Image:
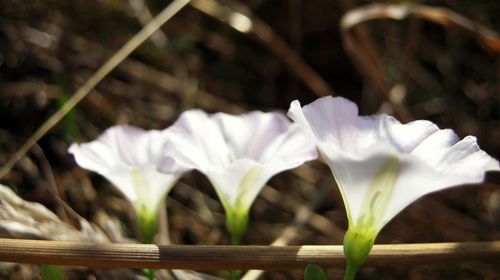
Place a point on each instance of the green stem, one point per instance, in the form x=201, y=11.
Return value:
x=148, y=226
x=236, y=223
x=236, y=273
x=235, y=239
x=350, y=271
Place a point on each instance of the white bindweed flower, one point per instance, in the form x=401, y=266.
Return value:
x=238, y=154
x=381, y=165
x=128, y=157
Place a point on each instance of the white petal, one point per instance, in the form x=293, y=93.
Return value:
x=122, y=179
x=416, y=180
x=128, y=157
x=195, y=141
x=250, y=135
x=336, y=125
x=94, y=156
x=403, y=137
x=355, y=177
x=229, y=149
x=357, y=147
x=228, y=182
x=293, y=148
x=433, y=148
x=320, y=120
x=157, y=185
x=467, y=159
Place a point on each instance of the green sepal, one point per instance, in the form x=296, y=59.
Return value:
x=236, y=223
x=148, y=226
x=357, y=246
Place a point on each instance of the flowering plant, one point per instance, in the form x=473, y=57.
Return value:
x=381, y=165
x=238, y=154
x=128, y=157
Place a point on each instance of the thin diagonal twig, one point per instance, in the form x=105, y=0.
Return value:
x=105, y=69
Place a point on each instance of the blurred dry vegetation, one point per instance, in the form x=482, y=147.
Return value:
x=420, y=67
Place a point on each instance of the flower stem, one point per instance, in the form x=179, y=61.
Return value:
x=148, y=226
x=235, y=274
x=350, y=271
x=236, y=223
x=235, y=240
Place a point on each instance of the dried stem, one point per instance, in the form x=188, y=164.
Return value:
x=234, y=257
x=364, y=56
x=51, y=182
x=487, y=37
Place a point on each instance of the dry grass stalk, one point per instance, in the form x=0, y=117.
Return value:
x=234, y=257
x=102, y=72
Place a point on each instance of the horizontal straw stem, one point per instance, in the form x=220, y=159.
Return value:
x=232, y=257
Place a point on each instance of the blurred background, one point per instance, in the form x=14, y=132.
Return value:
x=438, y=61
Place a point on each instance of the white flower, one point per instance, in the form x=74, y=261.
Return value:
x=128, y=157
x=238, y=154
x=381, y=165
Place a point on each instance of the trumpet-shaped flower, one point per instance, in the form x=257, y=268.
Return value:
x=128, y=157
x=381, y=165
x=238, y=154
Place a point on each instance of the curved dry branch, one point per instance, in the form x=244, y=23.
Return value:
x=487, y=37
x=364, y=56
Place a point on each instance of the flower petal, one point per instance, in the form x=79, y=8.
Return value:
x=231, y=149
x=228, y=183
x=355, y=178
x=251, y=135
x=195, y=141
x=418, y=178
x=128, y=157
x=336, y=125
x=358, y=148
x=156, y=187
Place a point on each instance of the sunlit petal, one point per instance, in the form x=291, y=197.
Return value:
x=381, y=165
x=239, y=154
x=128, y=157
